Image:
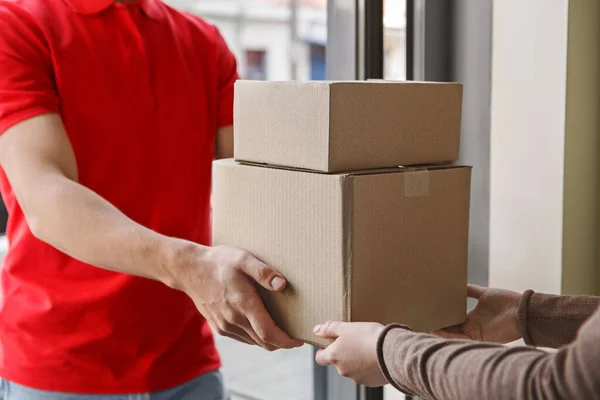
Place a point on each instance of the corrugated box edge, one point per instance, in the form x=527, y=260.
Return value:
x=347, y=188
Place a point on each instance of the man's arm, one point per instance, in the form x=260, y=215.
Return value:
x=38, y=160
x=227, y=76
x=224, y=143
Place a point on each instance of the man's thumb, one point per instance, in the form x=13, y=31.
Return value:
x=265, y=276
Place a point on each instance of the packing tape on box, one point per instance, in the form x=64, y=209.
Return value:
x=416, y=183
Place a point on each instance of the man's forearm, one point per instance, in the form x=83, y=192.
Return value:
x=77, y=221
x=40, y=164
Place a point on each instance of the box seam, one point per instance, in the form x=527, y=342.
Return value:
x=354, y=173
x=348, y=228
x=329, y=157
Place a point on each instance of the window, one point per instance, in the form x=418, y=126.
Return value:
x=286, y=38
x=255, y=65
x=394, y=40
x=317, y=62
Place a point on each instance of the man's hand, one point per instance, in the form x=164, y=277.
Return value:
x=494, y=319
x=354, y=352
x=220, y=282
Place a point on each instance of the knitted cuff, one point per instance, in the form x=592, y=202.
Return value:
x=522, y=317
x=380, y=357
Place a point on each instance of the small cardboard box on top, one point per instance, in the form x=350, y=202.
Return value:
x=386, y=245
x=344, y=126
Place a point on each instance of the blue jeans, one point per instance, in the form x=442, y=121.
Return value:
x=205, y=387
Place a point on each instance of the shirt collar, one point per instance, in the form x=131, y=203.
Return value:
x=152, y=8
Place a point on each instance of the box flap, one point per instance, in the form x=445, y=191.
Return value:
x=373, y=171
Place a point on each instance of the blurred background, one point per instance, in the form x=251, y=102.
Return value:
x=287, y=39
x=530, y=129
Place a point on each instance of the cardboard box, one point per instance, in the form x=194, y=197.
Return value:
x=343, y=126
x=384, y=245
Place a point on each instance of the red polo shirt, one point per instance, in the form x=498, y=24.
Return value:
x=142, y=90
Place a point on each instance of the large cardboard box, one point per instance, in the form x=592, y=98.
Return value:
x=342, y=126
x=384, y=245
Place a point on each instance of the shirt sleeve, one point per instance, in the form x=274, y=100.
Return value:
x=27, y=87
x=227, y=75
x=553, y=321
x=437, y=369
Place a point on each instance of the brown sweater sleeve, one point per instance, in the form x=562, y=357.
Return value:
x=439, y=369
x=553, y=321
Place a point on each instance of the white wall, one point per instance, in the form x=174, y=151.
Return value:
x=392, y=394
x=471, y=64
x=266, y=27
x=273, y=38
x=529, y=65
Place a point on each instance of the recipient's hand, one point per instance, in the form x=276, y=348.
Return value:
x=220, y=282
x=354, y=352
x=494, y=319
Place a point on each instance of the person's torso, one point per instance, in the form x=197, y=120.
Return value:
x=138, y=102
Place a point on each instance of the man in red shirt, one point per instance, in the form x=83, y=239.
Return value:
x=110, y=116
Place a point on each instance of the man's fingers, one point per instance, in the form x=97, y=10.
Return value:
x=233, y=332
x=239, y=334
x=264, y=275
x=475, y=292
x=242, y=339
x=250, y=332
x=266, y=330
x=261, y=343
x=330, y=329
x=274, y=336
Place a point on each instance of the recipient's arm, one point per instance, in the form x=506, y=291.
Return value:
x=503, y=316
x=454, y=369
x=553, y=321
x=38, y=160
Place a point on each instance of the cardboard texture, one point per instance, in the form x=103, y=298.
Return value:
x=341, y=126
x=381, y=245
